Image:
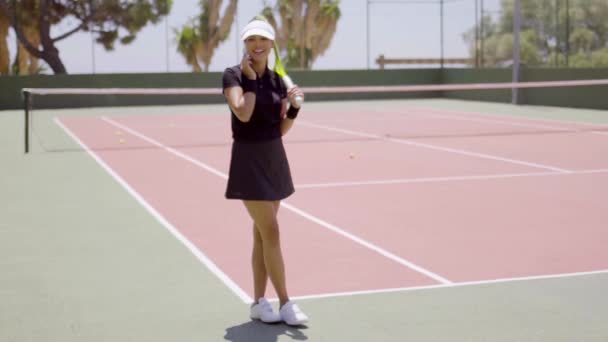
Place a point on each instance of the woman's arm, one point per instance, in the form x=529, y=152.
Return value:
x=286, y=122
x=241, y=104
x=242, y=99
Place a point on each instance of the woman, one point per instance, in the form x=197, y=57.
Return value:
x=259, y=171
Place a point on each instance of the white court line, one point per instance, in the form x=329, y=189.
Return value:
x=444, y=179
x=292, y=208
x=461, y=116
x=483, y=113
x=158, y=216
x=435, y=147
x=434, y=113
x=442, y=286
x=420, y=113
x=369, y=245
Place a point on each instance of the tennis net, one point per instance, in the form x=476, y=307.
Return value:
x=65, y=119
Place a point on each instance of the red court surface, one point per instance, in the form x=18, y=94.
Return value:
x=376, y=210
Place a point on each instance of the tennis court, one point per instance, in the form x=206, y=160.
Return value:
x=424, y=220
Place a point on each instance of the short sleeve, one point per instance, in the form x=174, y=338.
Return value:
x=230, y=79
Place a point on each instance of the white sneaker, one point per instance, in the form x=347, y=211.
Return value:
x=263, y=311
x=292, y=315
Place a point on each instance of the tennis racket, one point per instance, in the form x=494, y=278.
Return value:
x=279, y=69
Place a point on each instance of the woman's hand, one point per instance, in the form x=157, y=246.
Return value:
x=247, y=67
x=294, y=92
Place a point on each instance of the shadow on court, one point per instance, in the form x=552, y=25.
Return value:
x=255, y=331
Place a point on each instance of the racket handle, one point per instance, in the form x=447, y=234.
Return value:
x=289, y=84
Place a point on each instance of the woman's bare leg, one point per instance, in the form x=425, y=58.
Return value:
x=264, y=215
x=260, y=276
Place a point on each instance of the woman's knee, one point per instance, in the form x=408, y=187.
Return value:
x=264, y=215
x=269, y=232
x=257, y=238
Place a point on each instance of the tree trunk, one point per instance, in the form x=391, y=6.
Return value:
x=51, y=57
x=5, y=58
x=50, y=54
x=196, y=67
x=32, y=33
x=20, y=65
x=33, y=67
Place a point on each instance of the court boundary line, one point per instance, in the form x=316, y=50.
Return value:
x=435, y=147
x=424, y=113
x=306, y=215
x=211, y=266
x=454, y=116
x=525, y=118
x=443, y=286
x=445, y=179
x=461, y=115
x=338, y=294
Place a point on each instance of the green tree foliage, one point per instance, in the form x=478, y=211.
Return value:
x=189, y=44
x=543, y=33
x=306, y=29
x=198, y=39
x=109, y=20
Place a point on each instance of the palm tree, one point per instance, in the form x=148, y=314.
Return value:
x=26, y=63
x=198, y=39
x=307, y=29
x=189, y=44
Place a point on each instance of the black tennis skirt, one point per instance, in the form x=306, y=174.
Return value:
x=259, y=171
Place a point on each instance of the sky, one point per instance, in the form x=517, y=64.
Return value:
x=397, y=29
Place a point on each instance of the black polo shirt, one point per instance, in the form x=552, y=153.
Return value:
x=265, y=122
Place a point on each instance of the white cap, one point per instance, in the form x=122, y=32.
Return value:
x=257, y=28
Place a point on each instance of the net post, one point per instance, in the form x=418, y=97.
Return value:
x=26, y=106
